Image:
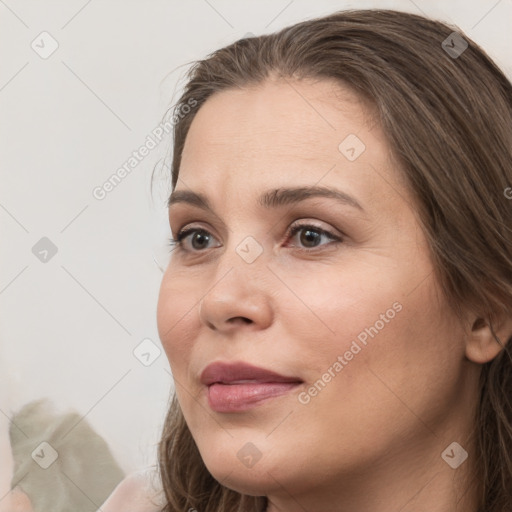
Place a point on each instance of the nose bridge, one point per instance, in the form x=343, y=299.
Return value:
x=239, y=267
x=246, y=234
x=237, y=291
x=244, y=250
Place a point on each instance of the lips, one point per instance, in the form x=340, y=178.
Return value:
x=231, y=373
x=234, y=387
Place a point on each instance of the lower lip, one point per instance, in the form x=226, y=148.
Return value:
x=240, y=397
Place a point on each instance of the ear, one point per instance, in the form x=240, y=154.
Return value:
x=482, y=345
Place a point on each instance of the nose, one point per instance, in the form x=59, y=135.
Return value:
x=238, y=299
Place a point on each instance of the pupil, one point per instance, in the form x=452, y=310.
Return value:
x=198, y=237
x=308, y=237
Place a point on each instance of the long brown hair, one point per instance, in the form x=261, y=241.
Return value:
x=446, y=110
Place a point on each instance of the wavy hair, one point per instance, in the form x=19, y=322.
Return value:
x=446, y=112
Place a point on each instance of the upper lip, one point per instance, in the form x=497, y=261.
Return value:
x=232, y=372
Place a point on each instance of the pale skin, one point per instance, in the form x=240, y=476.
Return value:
x=11, y=500
x=372, y=439
x=133, y=494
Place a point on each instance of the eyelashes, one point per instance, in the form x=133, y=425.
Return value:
x=312, y=235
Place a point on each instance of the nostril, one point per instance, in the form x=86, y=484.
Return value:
x=238, y=319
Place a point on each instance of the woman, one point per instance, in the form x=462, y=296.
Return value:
x=337, y=309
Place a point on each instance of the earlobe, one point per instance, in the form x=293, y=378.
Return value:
x=486, y=339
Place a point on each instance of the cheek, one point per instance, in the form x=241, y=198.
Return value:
x=325, y=314
x=177, y=320
x=365, y=323
x=393, y=352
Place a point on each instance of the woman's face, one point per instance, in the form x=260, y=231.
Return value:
x=336, y=293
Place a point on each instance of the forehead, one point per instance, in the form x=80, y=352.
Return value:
x=284, y=132
x=305, y=119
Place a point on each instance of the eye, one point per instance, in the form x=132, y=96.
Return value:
x=198, y=237
x=311, y=236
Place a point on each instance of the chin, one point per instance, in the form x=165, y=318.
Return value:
x=264, y=476
x=246, y=481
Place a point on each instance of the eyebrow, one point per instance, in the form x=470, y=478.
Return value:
x=273, y=198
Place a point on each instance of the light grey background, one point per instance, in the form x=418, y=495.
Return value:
x=68, y=122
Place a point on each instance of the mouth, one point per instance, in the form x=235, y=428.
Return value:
x=243, y=396
x=236, y=387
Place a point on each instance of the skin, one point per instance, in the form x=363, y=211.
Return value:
x=16, y=501
x=133, y=494
x=11, y=500
x=372, y=438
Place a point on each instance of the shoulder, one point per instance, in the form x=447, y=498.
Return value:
x=135, y=493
